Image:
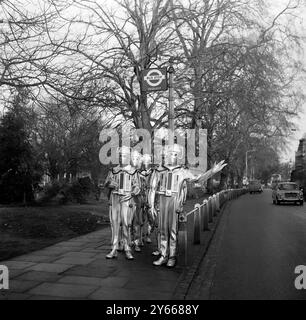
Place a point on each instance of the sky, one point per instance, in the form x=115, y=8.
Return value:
x=299, y=24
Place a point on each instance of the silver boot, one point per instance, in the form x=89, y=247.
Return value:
x=171, y=262
x=112, y=255
x=162, y=260
x=128, y=255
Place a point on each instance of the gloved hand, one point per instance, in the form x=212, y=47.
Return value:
x=153, y=213
x=114, y=185
x=218, y=167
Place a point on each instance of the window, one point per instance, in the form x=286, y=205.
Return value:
x=287, y=186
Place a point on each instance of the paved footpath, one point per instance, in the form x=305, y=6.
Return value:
x=78, y=269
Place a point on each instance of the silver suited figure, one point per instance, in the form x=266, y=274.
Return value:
x=145, y=178
x=138, y=220
x=169, y=184
x=123, y=182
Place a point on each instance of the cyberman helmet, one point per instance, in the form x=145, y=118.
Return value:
x=125, y=154
x=174, y=150
x=136, y=158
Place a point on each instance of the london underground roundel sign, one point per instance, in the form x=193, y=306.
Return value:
x=154, y=79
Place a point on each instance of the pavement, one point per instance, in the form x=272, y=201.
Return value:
x=78, y=269
x=254, y=252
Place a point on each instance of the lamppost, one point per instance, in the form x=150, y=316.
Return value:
x=290, y=167
x=246, y=162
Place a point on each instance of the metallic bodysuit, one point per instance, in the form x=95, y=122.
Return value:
x=124, y=182
x=169, y=183
x=147, y=222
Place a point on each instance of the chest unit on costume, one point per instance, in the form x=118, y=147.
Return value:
x=125, y=183
x=125, y=180
x=170, y=180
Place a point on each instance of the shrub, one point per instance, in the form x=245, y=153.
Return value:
x=78, y=191
x=50, y=192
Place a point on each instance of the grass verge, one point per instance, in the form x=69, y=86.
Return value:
x=26, y=229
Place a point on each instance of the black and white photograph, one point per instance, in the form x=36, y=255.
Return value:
x=152, y=153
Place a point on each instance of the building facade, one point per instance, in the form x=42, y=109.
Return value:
x=299, y=172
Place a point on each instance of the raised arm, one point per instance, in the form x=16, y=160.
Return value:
x=207, y=175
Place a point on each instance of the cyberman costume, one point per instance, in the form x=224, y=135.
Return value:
x=138, y=220
x=145, y=177
x=124, y=184
x=169, y=183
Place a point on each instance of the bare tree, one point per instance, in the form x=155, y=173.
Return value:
x=26, y=56
x=68, y=137
x=118, y=46
x=238, y=73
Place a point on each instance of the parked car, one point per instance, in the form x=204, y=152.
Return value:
x=287, y=192
x=255, y=186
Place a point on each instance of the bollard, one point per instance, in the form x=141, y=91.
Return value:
x=214, y=205
x=182, y=234
x=205, y=215
x=197, y=224
x=210, y=214
x=218, y=202
x=221, y=198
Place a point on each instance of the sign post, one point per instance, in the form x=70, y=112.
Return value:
x=154, y=80
x=171, y=101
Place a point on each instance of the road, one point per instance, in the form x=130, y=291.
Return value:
x=254, y=252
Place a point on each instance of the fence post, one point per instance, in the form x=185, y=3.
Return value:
x=210, y=213
x=221, y=198
x=205, y=215
x=197, y=225
x=214, y=205
x=218, y=202
x=182, y=233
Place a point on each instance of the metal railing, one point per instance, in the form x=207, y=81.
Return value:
x=202, y=215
